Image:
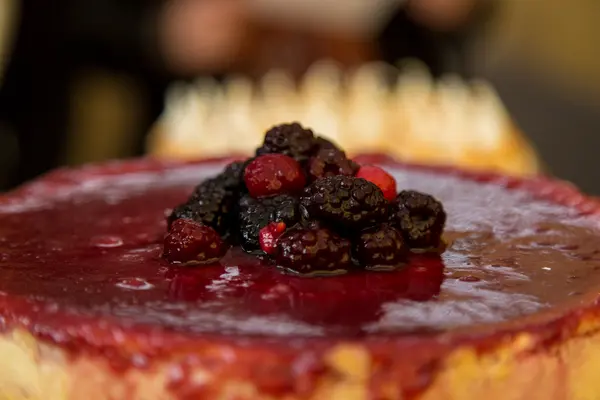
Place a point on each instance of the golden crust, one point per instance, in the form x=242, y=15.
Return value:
x=512, y=366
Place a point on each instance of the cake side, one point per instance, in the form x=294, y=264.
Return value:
x=518, y=365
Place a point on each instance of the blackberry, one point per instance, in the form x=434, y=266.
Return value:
x=255, y=214
x=291, y=140
x=420, y=218
x=230, y=179
x=381, y=247
x=323, y=144
x=309, y=251
x=344, y=201
x=232, y=176
x=330, y=162
x=211, y=204
x=381, y=178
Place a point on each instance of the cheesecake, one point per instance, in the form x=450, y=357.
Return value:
x=91, y=308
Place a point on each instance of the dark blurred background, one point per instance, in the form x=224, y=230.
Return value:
x=83, y=80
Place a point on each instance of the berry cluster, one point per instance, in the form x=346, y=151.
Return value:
x=301, y=202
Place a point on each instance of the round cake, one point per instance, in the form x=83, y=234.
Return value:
x=90, y=309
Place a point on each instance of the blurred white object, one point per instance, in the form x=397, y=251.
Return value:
x=359, y=17
x=448, y=122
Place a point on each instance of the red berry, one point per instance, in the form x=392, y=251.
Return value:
x=268, y=236
x=271, y=174
x=382, y=179
x=189, y=241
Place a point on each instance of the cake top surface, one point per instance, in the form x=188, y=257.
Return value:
x=83, y=247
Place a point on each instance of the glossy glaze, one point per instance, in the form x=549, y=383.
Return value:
x=92, y=251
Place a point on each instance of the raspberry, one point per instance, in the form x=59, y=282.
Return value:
x=211, y=204
x=382, y=179
x=255, y=214
x=191, y=242
x=330, y=162
x=273, y=174
x=347, y=202
x=380, y=248
x=312, y=251
x=269, y=235
x=289, y=139
x=420, y=218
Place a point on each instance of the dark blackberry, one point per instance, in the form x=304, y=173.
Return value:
x=329, y=162
x=381, y=178
x=309, y=251
x=381, y=247
x=255, y=214
x=289, y=139
x=230, y=179
x=233, y=175
x=326, y=144
x=420, y=218
x=344, y=201
x=211, y=204
x=323, y=144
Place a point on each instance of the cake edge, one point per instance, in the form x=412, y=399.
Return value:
x=515, y=367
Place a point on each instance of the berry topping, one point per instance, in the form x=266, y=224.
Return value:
x=313, y=251
x=268, y=236
x=345, y=201
x=380, y=248
x=382, y=179
x=420, y=218
x=330, y=162
x=255, y=214
x=289, y=139
x=323, y=143
x=273, y=174
x=211, y=204
x=233, y=175
x=191, y=242
x=256, y=201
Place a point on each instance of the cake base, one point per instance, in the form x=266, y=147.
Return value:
x=513, y=366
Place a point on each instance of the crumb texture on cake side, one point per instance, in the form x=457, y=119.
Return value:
x=514, y=368
x=448, y=122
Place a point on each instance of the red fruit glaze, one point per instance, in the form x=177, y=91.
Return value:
x=268, y=236
x=272, y=174
x=382, y=179
x=189, y=241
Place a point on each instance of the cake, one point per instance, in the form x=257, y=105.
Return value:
x=92, y=307
x=416, y=118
